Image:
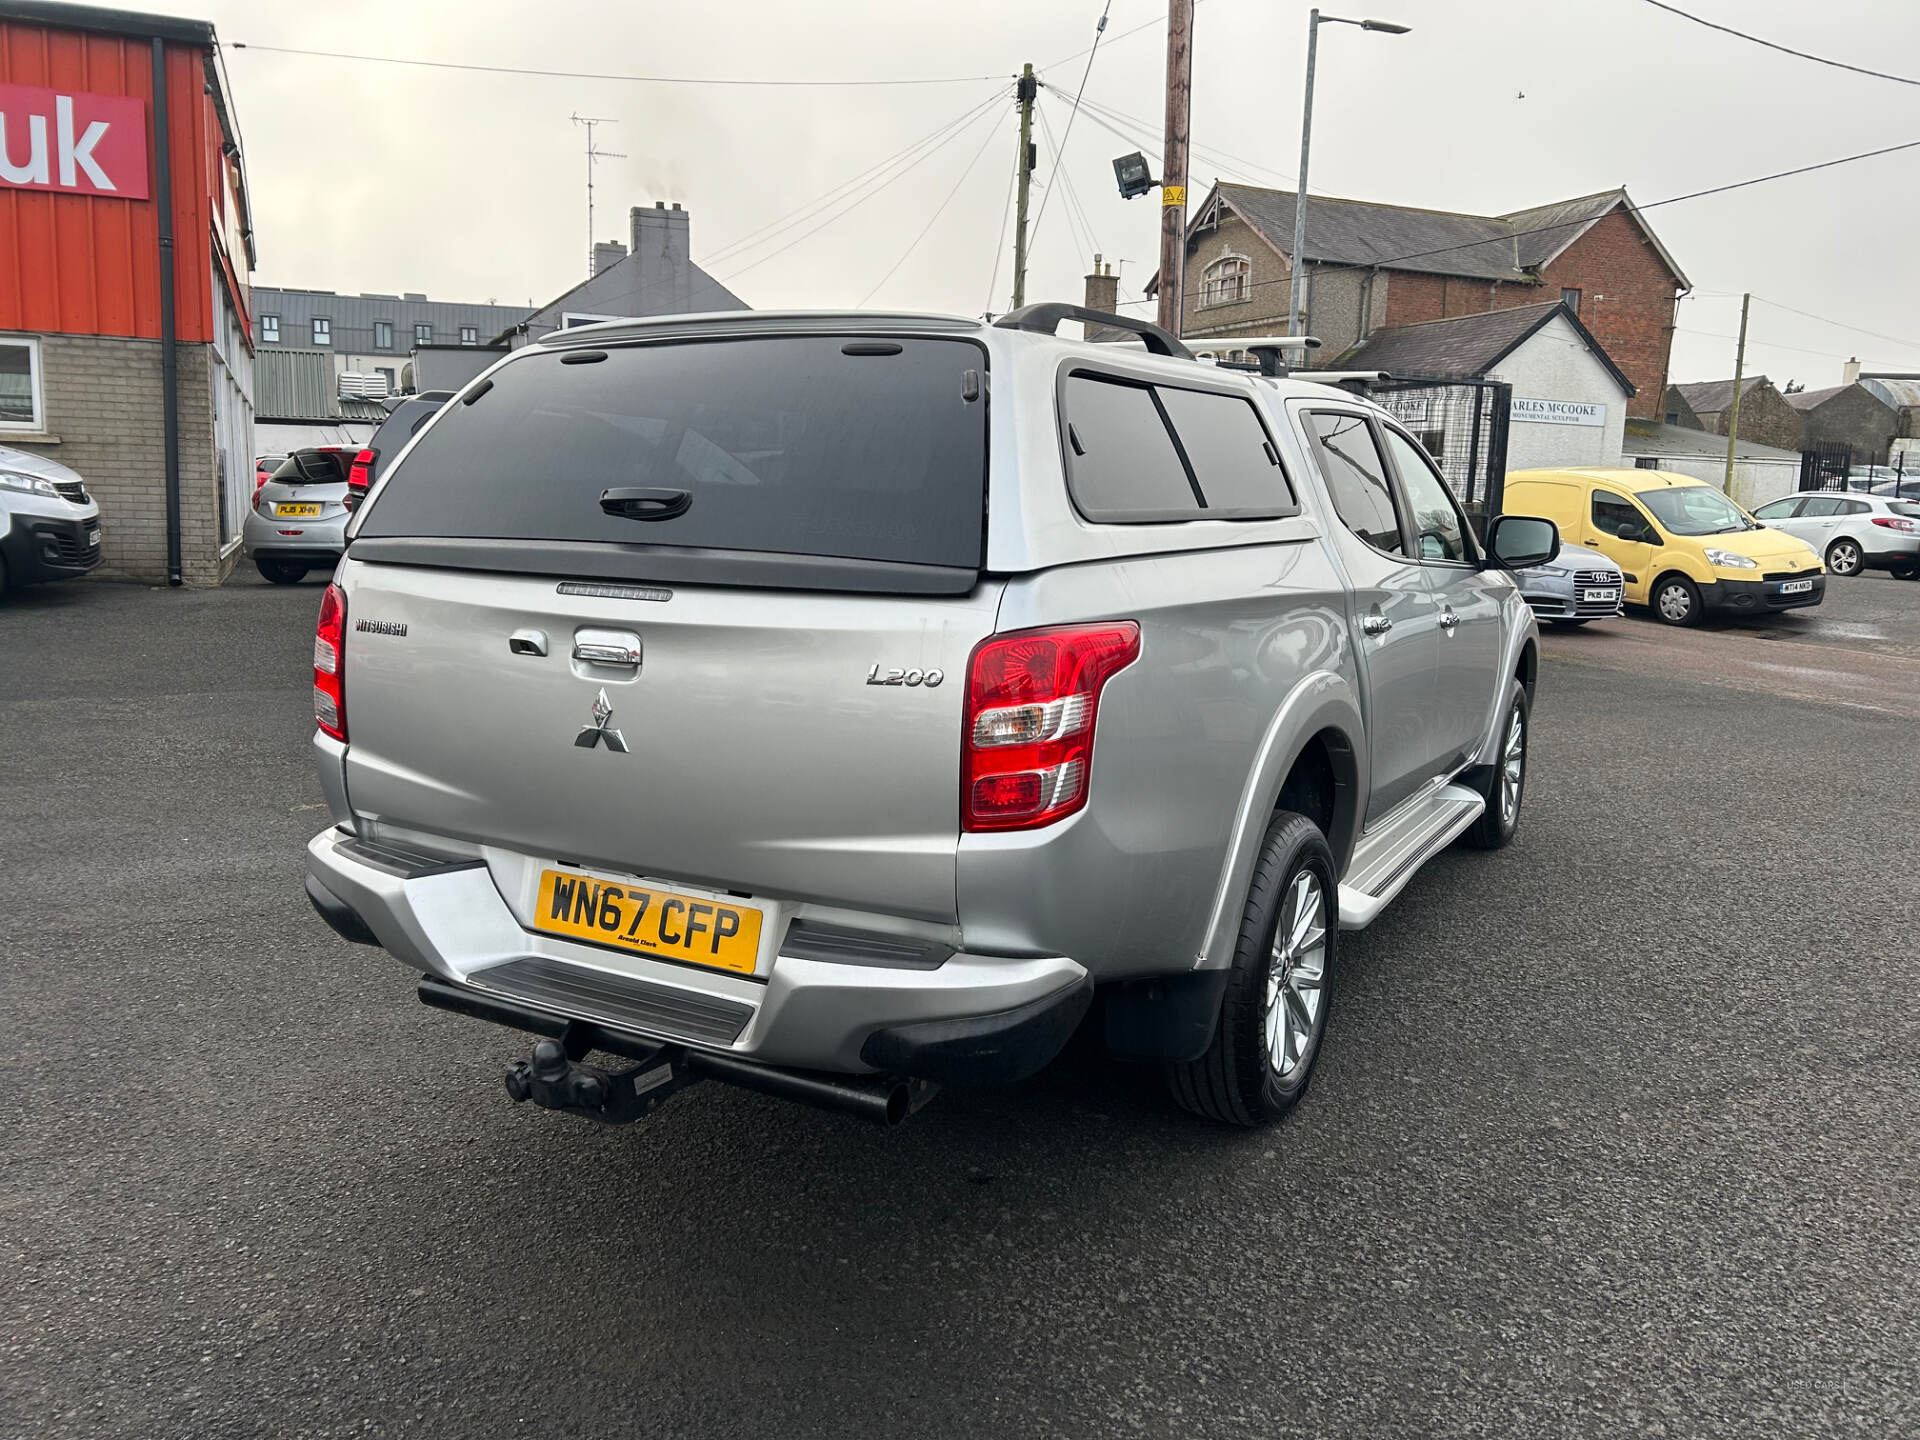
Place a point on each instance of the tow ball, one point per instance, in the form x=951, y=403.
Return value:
x=554, y=1080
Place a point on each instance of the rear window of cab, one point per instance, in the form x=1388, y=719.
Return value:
x=1143, y=452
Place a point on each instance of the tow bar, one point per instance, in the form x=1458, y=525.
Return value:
x=555, y=1077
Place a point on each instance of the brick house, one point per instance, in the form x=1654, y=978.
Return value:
x=1371, y=267
x=98, y=277
x=1765, y=415
x=1850, y=415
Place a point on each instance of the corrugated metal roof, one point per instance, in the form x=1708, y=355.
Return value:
x=1897, y=393
x=351, y=319
x=1645, y=437
x=302, y=385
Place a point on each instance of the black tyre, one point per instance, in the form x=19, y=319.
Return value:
x=280, y=572
x=1906, y=570
x=1503, y=784
x=1676, y=601
x=1274, y=1012
x=3, y=575
x=1844, y=557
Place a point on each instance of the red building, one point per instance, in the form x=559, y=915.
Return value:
x=126, y=243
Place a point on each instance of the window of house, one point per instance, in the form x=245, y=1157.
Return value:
x=22, y=403
x=1356, y=478
x=1571, y=299
x=270, y=329
x=423, y=334
x=383, y=334
x=469, y=335
x=1224, y=282
x=322, y=331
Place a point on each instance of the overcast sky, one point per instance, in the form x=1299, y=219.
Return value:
x=471, y=186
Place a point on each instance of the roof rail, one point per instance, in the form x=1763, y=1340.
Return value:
x=1045, y=318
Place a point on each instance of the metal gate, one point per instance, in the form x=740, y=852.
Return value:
x=1826, y=466
x=1462, y=424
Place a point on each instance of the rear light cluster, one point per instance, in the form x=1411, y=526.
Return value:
x=1893, y=522
x=1032, y=699
x=330, y=664
x=360, y=477
x=262, y=503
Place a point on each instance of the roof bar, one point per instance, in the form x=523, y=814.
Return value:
x=1045, y=318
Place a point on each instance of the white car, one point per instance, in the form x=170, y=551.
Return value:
x=49, y=524
x=1851, y=532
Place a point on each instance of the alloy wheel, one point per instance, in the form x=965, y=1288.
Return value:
x=1296, y=975
x=1843, y=558
x=1513, y=767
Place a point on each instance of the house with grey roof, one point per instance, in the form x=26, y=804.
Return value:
x=1371, y=266
x=371, y=333
x=1570, y=399
x=1765, y=415
x=1849, y=415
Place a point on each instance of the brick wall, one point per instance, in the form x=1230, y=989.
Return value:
x=1627, y=301
x=1263, y=312
x=1413, y=298
x=104, y=406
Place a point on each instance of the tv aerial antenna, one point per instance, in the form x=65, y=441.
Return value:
x=594, y=153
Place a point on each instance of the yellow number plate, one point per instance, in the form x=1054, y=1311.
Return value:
x=285, y=510
x=649, y=922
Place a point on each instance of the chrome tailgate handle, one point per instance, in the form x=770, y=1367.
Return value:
x=607, y=647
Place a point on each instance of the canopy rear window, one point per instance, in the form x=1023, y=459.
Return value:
x=853, y=448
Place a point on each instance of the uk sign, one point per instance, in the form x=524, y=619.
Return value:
x=73, y=142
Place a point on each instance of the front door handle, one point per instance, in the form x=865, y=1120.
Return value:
x=1376, y=624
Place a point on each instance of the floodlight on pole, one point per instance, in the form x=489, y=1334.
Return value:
x=1134, y=175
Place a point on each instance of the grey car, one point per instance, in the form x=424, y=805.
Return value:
x=298, y=518
x=1578, y=585
x=829, y=704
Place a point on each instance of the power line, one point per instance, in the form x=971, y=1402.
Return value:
x=1006, y=210
x=1060, y=150
x=1389, y=262
x=1840, y=324
x=1060, y=178
x=1754, y=343
x=1157, y=21
x=595, y=75
x=1148, y=128
x=907, y=169
x=931, y=219
x=735, y=248
x=1783, y=49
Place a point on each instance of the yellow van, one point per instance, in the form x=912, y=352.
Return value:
x=1685, y=549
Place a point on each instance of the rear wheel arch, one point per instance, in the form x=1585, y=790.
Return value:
x=1323, y=784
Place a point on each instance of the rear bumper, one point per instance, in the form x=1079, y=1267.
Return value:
x=313, y=542
x=969, y=1019
x=1748, y=597
x=1898, y=550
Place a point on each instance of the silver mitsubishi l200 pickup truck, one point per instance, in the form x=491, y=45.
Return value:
x=832, y=704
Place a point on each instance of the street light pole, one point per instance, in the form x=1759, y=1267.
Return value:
x=1296, y=292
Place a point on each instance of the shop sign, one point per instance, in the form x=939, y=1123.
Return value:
x=73, y=142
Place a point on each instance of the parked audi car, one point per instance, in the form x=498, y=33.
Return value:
x=1576, y=586
x=49, y=524
x=1852, y=532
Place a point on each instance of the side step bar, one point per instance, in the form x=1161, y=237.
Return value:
x=1387, y=859
x=555, y=1079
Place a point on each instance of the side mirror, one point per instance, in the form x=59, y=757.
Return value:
x=1518, y=542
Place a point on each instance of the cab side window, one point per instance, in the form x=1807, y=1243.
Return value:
x=1439, y=529
x=1356, y=477
x=1610, y=512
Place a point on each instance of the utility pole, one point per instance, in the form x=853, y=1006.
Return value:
x=1024, y=92
x=592, y=155
x=1733, y=410
x=1173, y=167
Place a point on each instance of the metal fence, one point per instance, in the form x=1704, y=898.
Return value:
x=1461, y=423
x=1826, y=466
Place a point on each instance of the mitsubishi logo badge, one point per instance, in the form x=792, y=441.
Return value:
x=592, y=735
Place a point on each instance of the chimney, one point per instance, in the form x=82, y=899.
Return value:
x=607, y=253
x=1103, y=294
x=1850, y=373
x=663, y=250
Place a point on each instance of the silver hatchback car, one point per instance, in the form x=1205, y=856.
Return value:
x=299, y=517
x=829, y=703
x=1852, y=532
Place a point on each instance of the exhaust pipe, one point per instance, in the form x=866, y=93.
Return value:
x=882, y=1100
